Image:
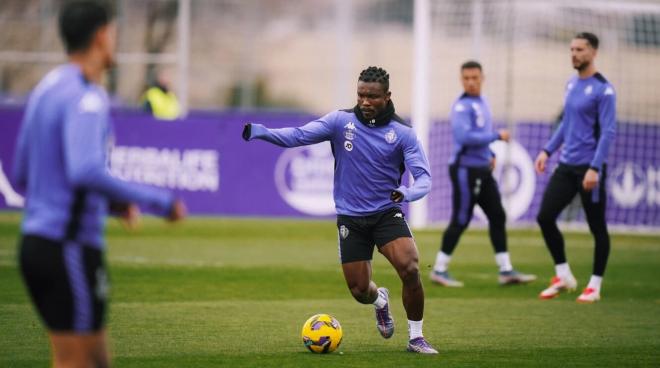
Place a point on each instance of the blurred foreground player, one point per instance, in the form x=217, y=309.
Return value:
x=61, y=162
x=586, y=131
x=471, y=171
x=372, y=147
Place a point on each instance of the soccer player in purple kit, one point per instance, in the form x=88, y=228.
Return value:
x=61, y=162
x=372, y=147
x=470, y=170
x=586, y=131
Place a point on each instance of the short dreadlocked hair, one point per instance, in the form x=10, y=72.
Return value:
x=376, y=74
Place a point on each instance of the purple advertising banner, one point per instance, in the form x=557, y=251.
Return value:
x=205, y=161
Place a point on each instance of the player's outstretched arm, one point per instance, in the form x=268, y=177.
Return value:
x=84, y=142
x=418, y=165
x=313, y=132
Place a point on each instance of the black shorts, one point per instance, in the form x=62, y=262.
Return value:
x=474, y=186
x=67, y=283
x=359, y=234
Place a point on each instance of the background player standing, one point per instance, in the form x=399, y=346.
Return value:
x=61, y=161
x=372, y=147
x=586, y=132
x=470, y=169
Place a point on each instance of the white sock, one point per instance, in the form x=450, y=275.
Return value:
x=415, y=329
x=380, y=301
x=563, y=270
x=595, y=282
x=503, y=261
x=441, y=262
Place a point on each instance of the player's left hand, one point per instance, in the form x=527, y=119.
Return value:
x=590, y=180
x=396, y=197
x=247, y=131
x=493, y=162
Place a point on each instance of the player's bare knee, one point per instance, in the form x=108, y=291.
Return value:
x=360, y=292
x=409, y=273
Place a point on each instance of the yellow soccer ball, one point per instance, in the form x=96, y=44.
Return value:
x=322, y=334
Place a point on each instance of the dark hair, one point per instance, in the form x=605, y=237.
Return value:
x=79, y=20
x=591, y=38
x=471, y=64
x=376, y=74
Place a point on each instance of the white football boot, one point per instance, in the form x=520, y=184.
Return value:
x=557, y=285
x=589, y=296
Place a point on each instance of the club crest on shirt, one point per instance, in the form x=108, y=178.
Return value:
x=348, y=146
x=343, y=232
x=349, y=132
x=390, y=136
x=588, y=90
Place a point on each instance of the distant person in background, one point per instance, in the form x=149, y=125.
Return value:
x=372, y=146
x=587, y=128
x=471, y=171
x=61, y=162
x=160, y=99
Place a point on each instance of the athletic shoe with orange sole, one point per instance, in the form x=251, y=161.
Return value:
x=588, y=296
x=558, y=285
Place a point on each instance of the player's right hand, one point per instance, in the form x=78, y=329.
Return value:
x=178, y=211
x=539, y=164
x=504, y=134
x=130, y=216
x=247, y=131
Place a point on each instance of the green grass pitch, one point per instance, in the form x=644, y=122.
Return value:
x=235, y=292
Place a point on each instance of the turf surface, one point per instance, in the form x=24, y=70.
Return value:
x=229, y=292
